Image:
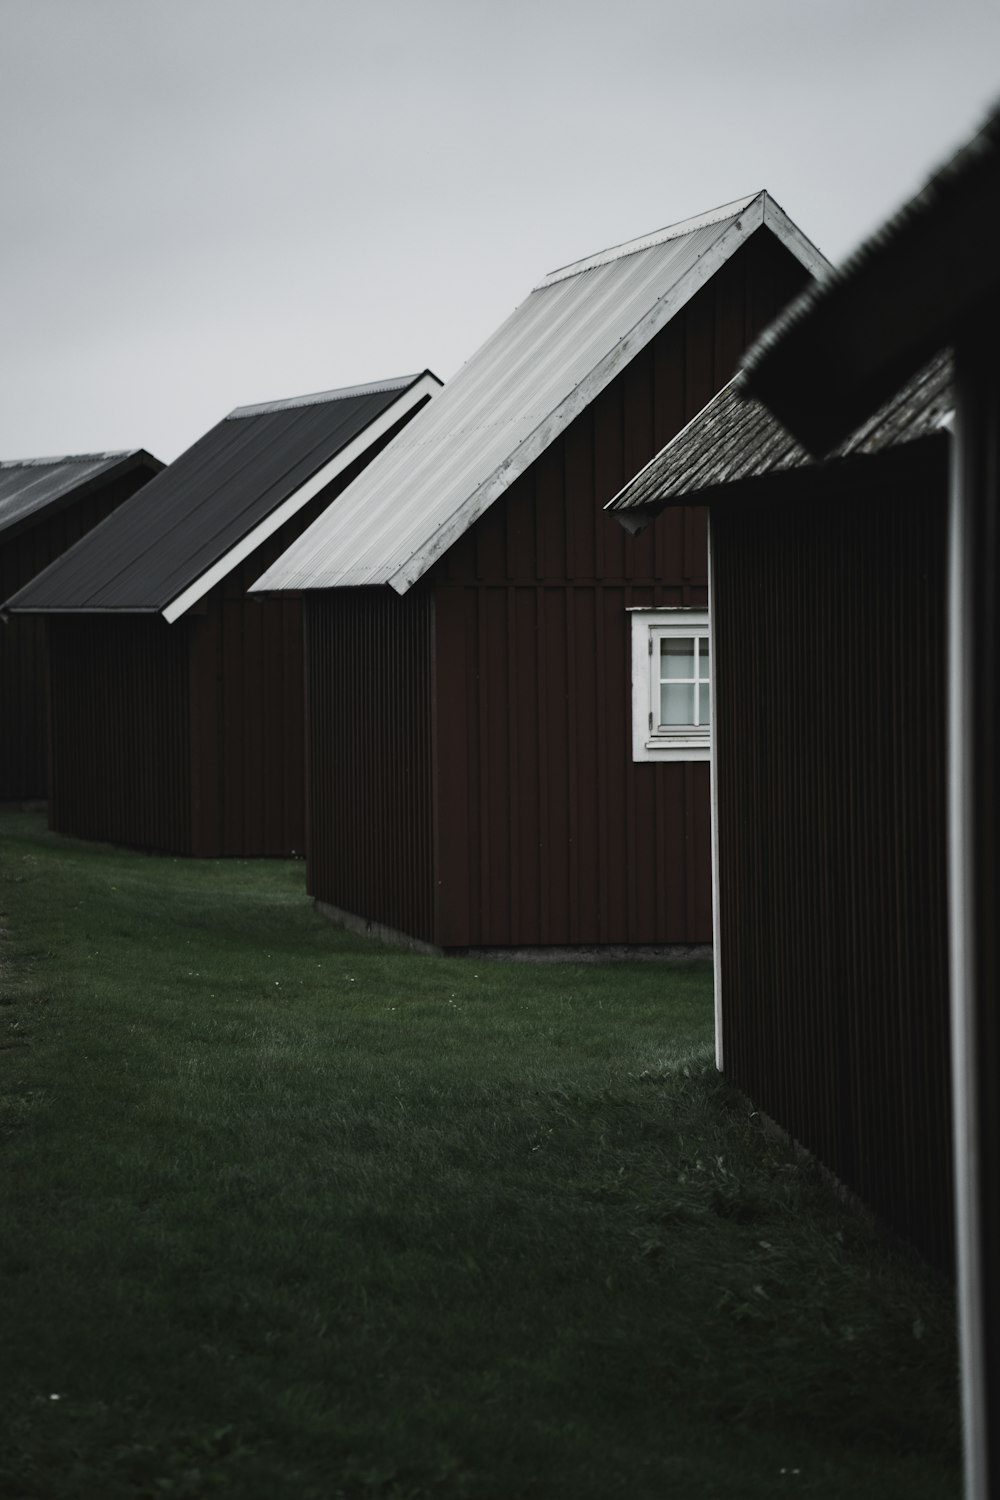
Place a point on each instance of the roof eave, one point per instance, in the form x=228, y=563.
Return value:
x=826, y=473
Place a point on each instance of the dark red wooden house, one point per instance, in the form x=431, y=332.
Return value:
x=934, y=276
x=872, y=851
x=177, y=716
x=46, y=504
x=476, y=779
x=828, y=641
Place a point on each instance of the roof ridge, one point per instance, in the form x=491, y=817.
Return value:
x=317, y=398
x=66, y=458
x=647, y=241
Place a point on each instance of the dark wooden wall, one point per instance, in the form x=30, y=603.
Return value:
x=371, y=794
x=550, y=833
x=829, y=638
x=24, y=552
x=120, y=731
x=248, y=790
x=247, y=724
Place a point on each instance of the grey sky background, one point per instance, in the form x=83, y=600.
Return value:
x=205, y=203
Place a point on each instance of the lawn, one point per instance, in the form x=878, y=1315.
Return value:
x=291, y=1215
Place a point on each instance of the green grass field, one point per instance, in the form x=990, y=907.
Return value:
x=287, y=1214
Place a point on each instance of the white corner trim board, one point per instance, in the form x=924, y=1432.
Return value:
x=714, y=812
x=427, y=385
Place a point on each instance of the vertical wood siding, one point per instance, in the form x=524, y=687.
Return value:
x=829, y=640
x=120, y=732
x=370, y=793
x=247, y=725
x=548, y=832
x=248, y=703
x=23, y=662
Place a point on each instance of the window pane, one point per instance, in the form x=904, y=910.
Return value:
x=704, y=704
x=676, y=657
x=676, y=703
x=703, y=661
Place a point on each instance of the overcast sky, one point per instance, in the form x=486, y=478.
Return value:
x=211, y=202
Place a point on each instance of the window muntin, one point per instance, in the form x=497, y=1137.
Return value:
x=681, y=688
x=671, y=684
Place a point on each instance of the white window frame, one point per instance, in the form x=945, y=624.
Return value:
x=649, y=626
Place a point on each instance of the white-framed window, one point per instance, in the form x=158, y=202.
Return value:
x=671, y=684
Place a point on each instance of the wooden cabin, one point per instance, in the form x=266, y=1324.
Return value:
x=470, y=611
x=890, y=637
x=46, y=504
x=177, y=717
x=828, y=643
x=933, y=278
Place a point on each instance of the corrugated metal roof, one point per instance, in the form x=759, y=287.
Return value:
x=544, y=365
x=217, y=500
x=735, y=437
x=31, y=486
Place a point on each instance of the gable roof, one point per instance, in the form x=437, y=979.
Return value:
x=31, y=488
x=735, y=438
x=192, y=524
x=555, y=353
x=842, y=347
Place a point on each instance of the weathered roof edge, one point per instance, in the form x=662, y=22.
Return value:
x=68, y=458
x=647, y=241
x=319, y=398
x=750, y=447
x=760, y=211
x=634, y=517
x=420, y=388
x=120, y=462
x=814, y=366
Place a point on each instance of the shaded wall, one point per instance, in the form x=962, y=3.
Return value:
x=120, y=731
x=371, y=793
x=550, y=833
x=829, y=637
x=24, y=552
x=247, y=725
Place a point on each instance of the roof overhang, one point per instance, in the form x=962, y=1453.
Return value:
x=844, y=346
x=425, y=386
x=735, y=451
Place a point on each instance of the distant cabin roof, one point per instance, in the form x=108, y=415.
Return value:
x=735, y=438
x=191, y=525
x=555, y=353
x=33, y=487
x=842, y=347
